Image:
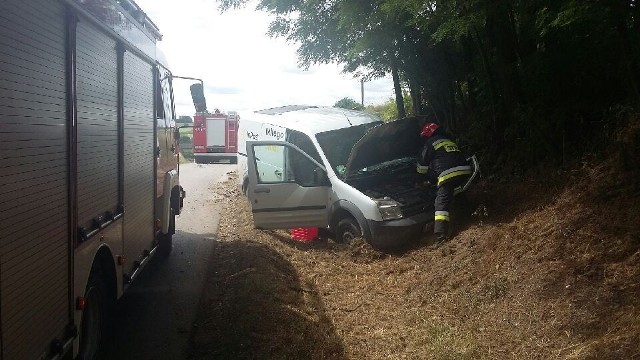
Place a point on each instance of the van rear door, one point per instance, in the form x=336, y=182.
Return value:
x=287, y=188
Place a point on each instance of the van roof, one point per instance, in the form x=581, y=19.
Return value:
x=313, y=119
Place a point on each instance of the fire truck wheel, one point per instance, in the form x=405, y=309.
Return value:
x=347, y=230
x=94, y=317
x=165, y=242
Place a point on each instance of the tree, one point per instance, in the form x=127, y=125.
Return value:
x=386, y=111
x=527, y=81
x=363, y=36
x=184, y=119
x=348, y=103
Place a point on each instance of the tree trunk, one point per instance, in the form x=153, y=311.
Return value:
x=634, y=35
x=626, y=52
x=470, y=79
x=461, y=123
x=398, y=88
x=499, y=33
x=416, y=97
x=636, y=16
x=489, y=74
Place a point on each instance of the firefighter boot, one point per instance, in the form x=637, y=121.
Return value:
x=441, y=231
x=440, y=238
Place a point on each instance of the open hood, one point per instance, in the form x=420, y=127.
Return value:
x=386, y=142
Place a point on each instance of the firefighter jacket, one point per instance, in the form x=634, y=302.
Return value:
x=441, y=157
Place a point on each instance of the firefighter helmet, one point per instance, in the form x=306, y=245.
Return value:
x=428, y=129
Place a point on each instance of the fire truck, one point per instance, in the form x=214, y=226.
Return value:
x=90, y=178
x=215, y=136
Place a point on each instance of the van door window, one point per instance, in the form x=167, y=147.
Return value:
x=304, y=171
x=270, y=164
x=280, y=163
x=305, y=144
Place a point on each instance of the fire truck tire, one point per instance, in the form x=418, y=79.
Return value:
x=95, y=316
x=347, y=230
x=165, y=242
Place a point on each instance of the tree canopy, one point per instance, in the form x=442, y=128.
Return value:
x=183, y=119
x=524, y=81
x=348, y=103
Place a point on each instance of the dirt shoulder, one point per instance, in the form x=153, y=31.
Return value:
x=547, y=269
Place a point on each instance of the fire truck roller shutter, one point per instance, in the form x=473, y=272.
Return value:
x=34, y=184
x=97, y=104
x=139, y=157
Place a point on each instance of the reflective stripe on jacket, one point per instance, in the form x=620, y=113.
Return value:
x=443, y=157
x=454, y=172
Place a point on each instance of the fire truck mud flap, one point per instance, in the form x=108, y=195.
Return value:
x=177, y=199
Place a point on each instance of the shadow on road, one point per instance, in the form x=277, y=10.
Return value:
x=255, y=307
x=153, y=319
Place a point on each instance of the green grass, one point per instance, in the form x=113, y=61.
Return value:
x=186, y=133
x=186, y=145
x=186, y=152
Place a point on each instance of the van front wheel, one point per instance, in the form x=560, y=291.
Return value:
x=347, y=230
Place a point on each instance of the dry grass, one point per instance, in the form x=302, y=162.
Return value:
x=551, y=270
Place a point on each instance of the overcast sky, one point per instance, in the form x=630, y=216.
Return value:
x=243, y=69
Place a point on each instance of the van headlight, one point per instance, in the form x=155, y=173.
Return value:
x=389, y=209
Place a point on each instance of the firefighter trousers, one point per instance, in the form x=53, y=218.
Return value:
x=443, y=203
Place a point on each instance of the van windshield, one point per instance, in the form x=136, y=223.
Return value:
x=337, y=144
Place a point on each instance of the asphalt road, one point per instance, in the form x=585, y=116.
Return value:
x=154, y=317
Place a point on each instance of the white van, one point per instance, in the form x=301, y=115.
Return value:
x=309, y=166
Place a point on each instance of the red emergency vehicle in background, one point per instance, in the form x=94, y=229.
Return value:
x=215, y=136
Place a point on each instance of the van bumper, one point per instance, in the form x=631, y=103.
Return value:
x=393, y=233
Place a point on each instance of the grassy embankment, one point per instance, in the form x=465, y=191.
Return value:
x=186, y=145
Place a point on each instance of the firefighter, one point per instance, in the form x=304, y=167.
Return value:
x=441, y=163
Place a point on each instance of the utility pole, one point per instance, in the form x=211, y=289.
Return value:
x=362, y=92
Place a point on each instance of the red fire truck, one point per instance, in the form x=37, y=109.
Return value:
x=215, y=136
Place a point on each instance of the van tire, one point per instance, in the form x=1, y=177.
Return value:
x=347, y=230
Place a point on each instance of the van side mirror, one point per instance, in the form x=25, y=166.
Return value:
x=197, y=95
